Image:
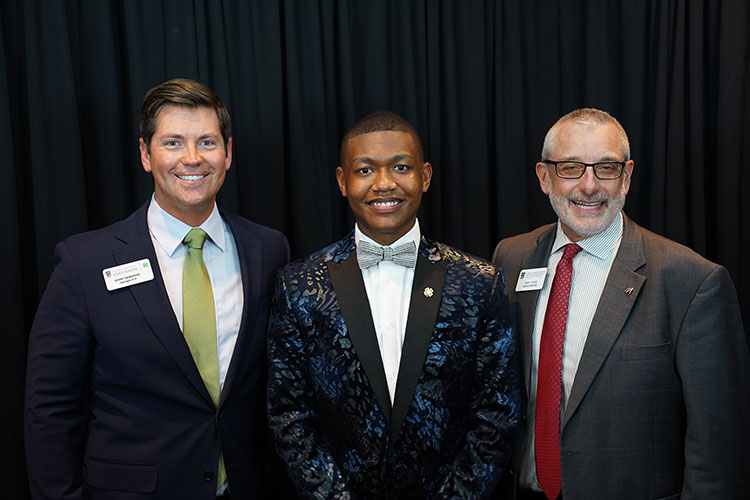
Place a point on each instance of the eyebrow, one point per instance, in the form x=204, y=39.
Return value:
x=392, y=159
x=600, y=160
x=182, y=136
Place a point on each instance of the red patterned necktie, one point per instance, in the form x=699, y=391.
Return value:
x=549, y=379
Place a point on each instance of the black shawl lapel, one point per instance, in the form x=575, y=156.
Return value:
x=426, y=292
x=355, y=308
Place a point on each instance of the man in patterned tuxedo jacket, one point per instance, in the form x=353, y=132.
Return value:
x=392, y=378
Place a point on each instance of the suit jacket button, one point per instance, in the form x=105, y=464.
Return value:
x=208, y=475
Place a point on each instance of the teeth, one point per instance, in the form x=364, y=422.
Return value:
x=389, y=203
x=588, y=205
x=191, y=177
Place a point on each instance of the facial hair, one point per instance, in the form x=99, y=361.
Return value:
x=587, y=225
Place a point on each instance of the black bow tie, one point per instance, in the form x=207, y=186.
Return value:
x=368, y=254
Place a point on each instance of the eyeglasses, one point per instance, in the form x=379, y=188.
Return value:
x=605, y=170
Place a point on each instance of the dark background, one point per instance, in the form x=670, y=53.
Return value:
x=482, y=81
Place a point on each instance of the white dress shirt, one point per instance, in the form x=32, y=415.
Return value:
x=590, y=270
x=223, y=265
x=388, y=287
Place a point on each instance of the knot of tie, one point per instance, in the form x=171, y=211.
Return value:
x=571, y=250
x=369, y=254
x=195, y=238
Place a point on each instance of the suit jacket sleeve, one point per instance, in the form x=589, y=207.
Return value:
x=476, y=470
x=60, y=347
x=712, y=360
x=291, y=412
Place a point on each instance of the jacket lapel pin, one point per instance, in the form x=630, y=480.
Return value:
x=428, y=291
x=628, y=291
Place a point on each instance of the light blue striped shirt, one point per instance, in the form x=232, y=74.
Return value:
x=590, y=270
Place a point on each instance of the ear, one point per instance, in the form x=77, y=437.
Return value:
x=341, y=179
x=426, y=176
x=145, y=156
x=542, y=173
x=627, y=173
x=228, y=159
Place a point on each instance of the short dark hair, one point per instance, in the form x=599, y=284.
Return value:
x=181, y=92
x=380, y=121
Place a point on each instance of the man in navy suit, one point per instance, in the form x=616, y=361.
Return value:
x=116, y=405
x=392, y=371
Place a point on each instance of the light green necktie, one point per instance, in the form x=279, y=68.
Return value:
x=199, y=319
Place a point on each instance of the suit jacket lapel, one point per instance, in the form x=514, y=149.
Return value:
x=251, y=260
x=614, y=308
x=352, y=299
x=152, y=298
x=527, y=300
x=423, y=310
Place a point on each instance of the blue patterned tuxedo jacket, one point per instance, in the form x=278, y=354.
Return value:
x=457, y=395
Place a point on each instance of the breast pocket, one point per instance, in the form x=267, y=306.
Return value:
x=645, y=352
x=121, y=476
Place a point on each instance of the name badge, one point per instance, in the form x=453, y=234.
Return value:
x=531, y=279
x=132, y=273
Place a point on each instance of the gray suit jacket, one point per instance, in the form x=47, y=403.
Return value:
x=660, y=405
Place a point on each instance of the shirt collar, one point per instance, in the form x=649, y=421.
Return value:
x=169, y=231
x=414, y=235
x=600, y=245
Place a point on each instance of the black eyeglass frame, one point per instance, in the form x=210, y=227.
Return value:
x=592, y=165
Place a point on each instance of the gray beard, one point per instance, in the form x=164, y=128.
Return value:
x=561, y=206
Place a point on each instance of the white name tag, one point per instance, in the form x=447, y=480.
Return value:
x=531, y=279
x=132, y=273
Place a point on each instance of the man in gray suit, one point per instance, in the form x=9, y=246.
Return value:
x=635, y=360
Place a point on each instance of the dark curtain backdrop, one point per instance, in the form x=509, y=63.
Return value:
x=482, y=81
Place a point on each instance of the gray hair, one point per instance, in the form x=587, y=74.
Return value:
x=588, y=117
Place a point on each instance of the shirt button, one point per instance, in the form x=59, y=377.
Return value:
x=208, y=475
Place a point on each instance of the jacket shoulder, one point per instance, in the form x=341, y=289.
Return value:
x=263, y=232
x=672, y=258
x=515, y=248
x=106, y=236
x=315, y=261
x=459, y=258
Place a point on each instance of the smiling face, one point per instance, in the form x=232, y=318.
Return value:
x=588, y=205
x=188, y=161
x=383, y=177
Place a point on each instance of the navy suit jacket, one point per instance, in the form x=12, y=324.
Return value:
x=660, y=403
x=457, y=393
x=115, y=406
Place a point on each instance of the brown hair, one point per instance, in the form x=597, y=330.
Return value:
x=185, y=93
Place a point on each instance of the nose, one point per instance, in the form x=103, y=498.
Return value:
x=383, y=180
x=192, y=156
x=588, y=182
